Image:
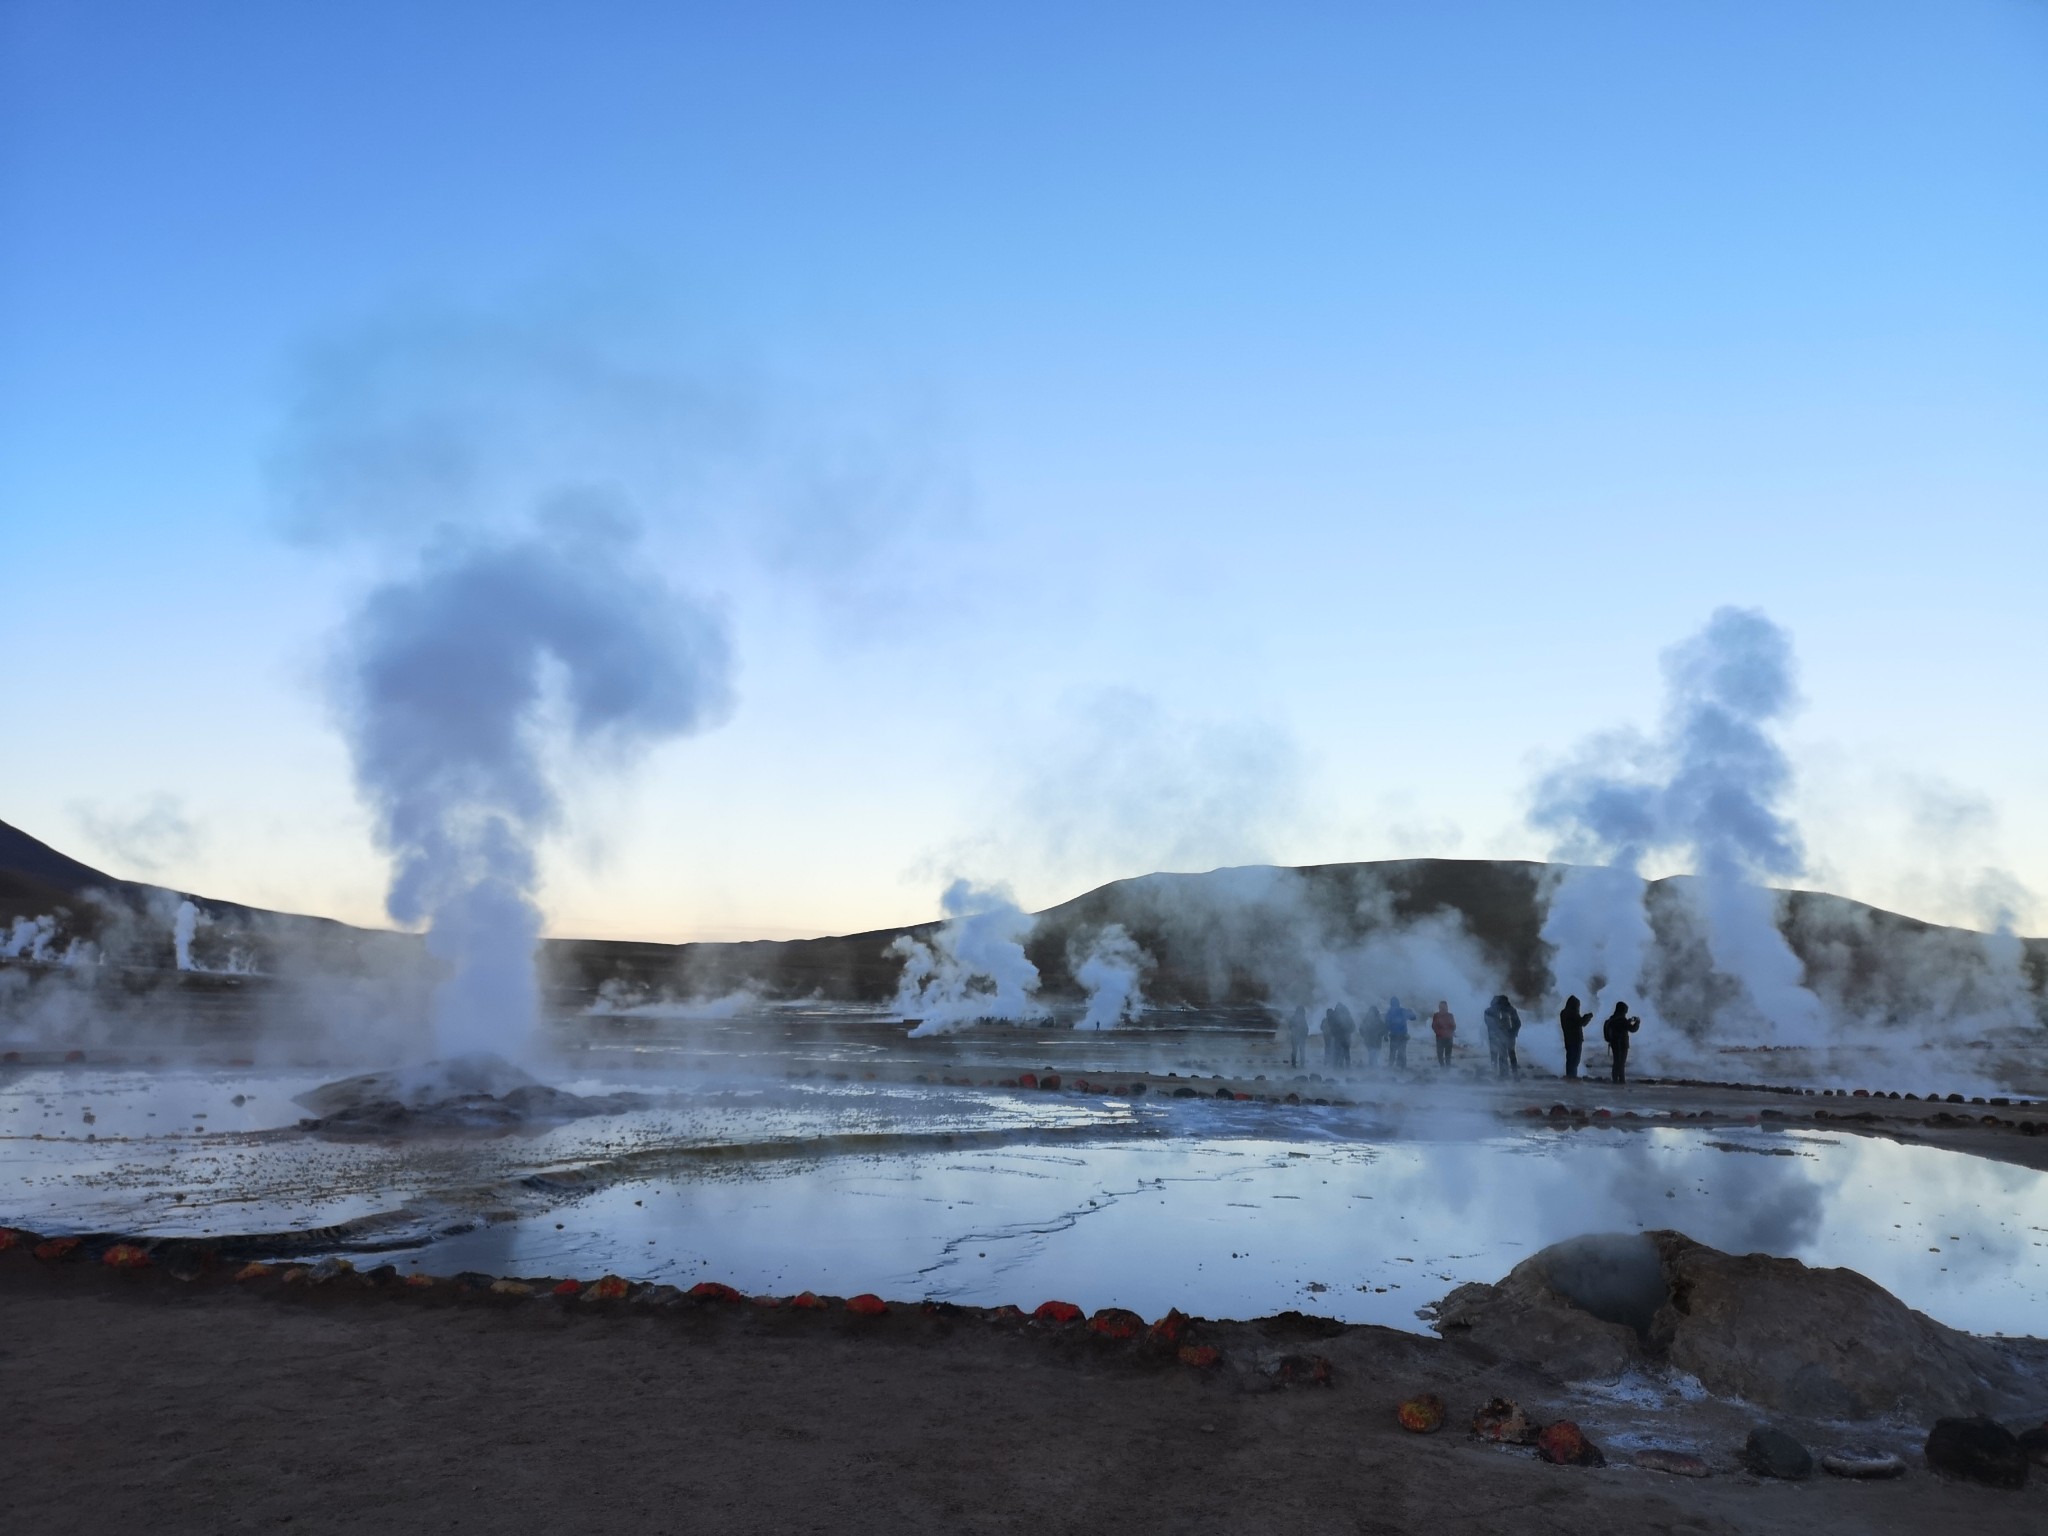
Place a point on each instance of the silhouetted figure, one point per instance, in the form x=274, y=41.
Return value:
x=1372, y=1034
x=1338, y=1028
x=1573, y=1021
x=1398, y=1020
x=1503, y=1024
x=1619, y=1026
x=1295, y=1032
x=1445, y=1027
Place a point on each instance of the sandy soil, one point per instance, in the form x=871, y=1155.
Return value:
x=140, y=1402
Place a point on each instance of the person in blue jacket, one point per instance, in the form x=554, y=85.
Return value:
x=1398, y=1020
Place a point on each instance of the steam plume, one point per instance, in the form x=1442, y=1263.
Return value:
x=1708, y=786
x=974, y=968
x=1112, y=968
x=457, y=680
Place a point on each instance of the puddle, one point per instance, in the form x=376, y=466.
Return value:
x=1230, y=1210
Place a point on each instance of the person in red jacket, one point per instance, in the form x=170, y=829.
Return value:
x=1445, y=1028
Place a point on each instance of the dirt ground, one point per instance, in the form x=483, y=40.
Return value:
x=137, y=1402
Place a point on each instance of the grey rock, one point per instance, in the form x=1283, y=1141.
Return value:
x=1770, y=1452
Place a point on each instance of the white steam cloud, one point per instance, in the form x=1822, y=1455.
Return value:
x=1709, y=786
x=456, y=681
x=973, y=969
x=1112, y=969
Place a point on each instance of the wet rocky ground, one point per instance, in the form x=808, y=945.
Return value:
x=178, y=1397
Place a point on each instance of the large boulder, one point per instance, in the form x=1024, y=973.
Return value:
x=1824, y=1343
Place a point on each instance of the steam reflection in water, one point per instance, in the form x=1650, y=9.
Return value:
x=1366, y=1232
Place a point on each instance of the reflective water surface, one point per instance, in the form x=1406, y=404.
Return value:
x=988, y=1196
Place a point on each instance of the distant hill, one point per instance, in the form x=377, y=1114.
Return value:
x=1225, y=938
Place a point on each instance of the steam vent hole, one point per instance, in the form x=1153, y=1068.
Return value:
x=1616, y=1276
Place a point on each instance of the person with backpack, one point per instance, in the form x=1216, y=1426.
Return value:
x=1338, y=1028
x=1619, y=1026
x=1398, y=1020
x=1503, y=1024
x=1573, y=1021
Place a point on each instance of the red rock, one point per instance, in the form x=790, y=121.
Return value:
x=125, y=1256
x=1422, y=1414
x=1564, y=1444
x=1116, y=1323
x=1201, y=1356
x=1027, y=1079
x=1060, y=1312
x=1168, y=1329
x=712, y=1290
x=612, y=1288
x=807, y=1301
x=566, y=1288
x=1049, y=1082
x=9, y=1236
x=867, y=1304
x=56, y=1248
x=423, y=1282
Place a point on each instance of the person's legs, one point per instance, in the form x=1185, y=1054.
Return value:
x=1571, y=1057
x=1621, y=1065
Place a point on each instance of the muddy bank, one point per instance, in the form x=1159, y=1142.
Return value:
x=141, y=1400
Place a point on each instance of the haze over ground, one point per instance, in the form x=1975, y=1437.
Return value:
x=1115, y=443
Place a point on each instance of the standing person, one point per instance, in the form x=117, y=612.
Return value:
x=1372, y=1034
x=1338, y=1027
x=1503, y=1024
x=1398, y=1019
x=1445, y=1028
x=1619, y=1026
x=1295, y=1032
x=1573, y=1020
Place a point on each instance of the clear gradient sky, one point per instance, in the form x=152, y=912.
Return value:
x=1120, y=436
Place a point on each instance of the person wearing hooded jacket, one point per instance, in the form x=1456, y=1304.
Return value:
x=1503, y=1024
x=1398, y=1020
x=1573, y=1021
x=1619, y=1026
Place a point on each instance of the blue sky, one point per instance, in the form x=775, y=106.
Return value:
x=1176, y=436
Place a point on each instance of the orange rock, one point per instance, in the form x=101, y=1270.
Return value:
x=250, y=1272
x=125, y=1256
x=866, y=1304
x=807, y=1301
x=1060, y=1312
x=422, y=1282
x=1200, y=1356
x=1169, y=1328
x=609, y=1288
x=1564, y=1444
x=56, y=1248
x=1422, y=1414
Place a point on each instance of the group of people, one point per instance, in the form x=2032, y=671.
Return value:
x=1386, y=1030
x=1617, y=1031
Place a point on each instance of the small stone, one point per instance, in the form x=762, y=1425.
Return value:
x=329, y=1270
x=1422, y=1414
x=1501, y=1420
x=1863, y=1464
x=1564, y=1444
x=1771, y=1452
x=1978, y=1450
x=1676, y=1463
